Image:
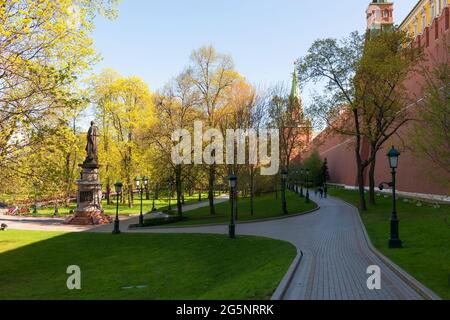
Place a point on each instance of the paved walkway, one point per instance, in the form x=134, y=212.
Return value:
x=336, y=253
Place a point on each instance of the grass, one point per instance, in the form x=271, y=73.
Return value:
x=265, y=207
x=425, y=232
x=169, y=266
x=160, y=204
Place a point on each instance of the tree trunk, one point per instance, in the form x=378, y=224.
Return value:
x=372, y=181
x=361, y=185
x=179, y=190
x=108, y=192
x=147, y=193
x=252, y=190
x=212, y=176
x=130, y=196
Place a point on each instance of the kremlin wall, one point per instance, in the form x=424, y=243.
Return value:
x=428, y=22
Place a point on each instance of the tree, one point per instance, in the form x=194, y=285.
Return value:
x=382, y=98
x=431, y=140
x=324, y=173
x=364, y=96
x=175, y=109
x=124, y=108
x=211, y=73
x=103, y=96
x=44, y=45
x=314, y=164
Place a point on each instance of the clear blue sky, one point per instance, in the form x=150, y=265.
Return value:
x=153, y=39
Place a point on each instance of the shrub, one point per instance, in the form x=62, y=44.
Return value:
x=162, y=221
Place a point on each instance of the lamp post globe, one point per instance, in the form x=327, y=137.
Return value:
x=118, y=187
x=140, y=186
x=393, y=156
x=232, y=180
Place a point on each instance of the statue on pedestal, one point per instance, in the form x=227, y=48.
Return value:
x=89, y=209
x=92, y=144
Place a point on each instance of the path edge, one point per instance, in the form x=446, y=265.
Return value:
x=420, y=288
x=225, y=224
x=282, y=288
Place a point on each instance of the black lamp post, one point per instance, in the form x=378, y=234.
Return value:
x=232, y=227
x=307, y=185
x=118, y=187
x=154, y=199
x=140, y=185
x=284, y=175
x=302, y=173
x=394, y=240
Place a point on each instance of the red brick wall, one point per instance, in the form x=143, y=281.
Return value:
x=413, y=173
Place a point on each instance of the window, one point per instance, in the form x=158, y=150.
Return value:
x=386, y=13
x=432, y=12
x=415, y=29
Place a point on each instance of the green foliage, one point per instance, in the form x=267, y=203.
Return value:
x=314, y=164
x=162, y=221
x=432, y=138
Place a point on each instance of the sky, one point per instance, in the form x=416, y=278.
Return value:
x=153, y=39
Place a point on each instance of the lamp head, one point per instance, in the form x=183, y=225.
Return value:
x=118, y=186
x=232, y=180
x=393, y=156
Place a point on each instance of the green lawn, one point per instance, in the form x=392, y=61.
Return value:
x=266, y=206
x=169, y=266
x=161, y=204
x=425, y=232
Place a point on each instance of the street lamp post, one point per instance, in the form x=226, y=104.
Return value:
x=284, y=175
x=118, y=187
x=307, y=186
x=302, y=173
x=232, y=227
x=394, y=240
x=140, y=185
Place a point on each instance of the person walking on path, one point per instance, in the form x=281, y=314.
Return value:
x=321, y=192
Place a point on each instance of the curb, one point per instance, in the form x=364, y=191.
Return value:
x=421, y=289
x=286, y=282
x=225, y=224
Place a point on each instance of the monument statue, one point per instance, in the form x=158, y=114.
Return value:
x=89, y=209
x=92, y=144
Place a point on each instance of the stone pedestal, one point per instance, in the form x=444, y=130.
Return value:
x=89, y=199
